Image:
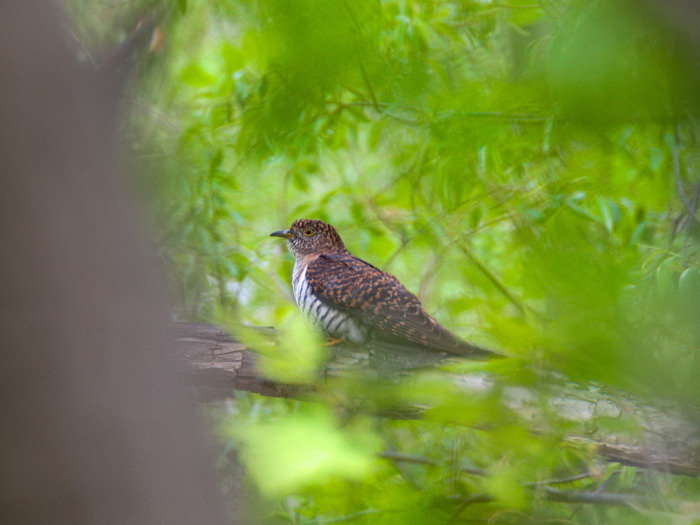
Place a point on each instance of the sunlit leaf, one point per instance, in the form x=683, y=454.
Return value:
x=293, y=453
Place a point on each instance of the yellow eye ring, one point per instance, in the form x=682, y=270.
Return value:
x=308, y=232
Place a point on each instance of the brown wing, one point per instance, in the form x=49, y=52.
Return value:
x=380, y=302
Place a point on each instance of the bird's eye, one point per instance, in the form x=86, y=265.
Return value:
x=308, y=232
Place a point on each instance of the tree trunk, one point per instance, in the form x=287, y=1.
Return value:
x=97, y=426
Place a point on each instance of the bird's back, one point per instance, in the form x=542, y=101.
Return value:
x=380, y=303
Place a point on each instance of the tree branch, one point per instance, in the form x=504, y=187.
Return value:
x=217, y=365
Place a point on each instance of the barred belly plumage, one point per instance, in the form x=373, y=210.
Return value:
x=334, y=322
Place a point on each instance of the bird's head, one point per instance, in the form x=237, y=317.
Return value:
x=307, y=236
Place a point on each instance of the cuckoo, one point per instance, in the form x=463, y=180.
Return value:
x=352, y=300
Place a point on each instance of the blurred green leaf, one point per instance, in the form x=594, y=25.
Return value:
x=504, y=484
x=196, y=76
x=290, y=454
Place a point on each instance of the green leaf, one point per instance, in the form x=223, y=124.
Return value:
x=504, y=484
x=309, y=448
x=196, y=76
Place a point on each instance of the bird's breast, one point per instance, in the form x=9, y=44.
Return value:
x=331, y=320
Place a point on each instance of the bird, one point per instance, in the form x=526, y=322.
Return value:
x=352, y=300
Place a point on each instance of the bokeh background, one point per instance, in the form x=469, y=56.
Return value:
x=528, y=168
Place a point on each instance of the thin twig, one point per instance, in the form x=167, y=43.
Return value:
x=677, y=174
x=360, y=63
x=569, y=496
x=598, y=498
x=407, y=458
x=508, y=6
x=494, y=279
x=561, y=481
x=349, y=517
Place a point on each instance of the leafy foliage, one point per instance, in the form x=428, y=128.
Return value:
x=526, y=167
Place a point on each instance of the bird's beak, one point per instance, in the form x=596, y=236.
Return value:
x=282, y=233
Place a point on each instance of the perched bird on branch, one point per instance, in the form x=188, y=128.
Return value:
x=351, y=299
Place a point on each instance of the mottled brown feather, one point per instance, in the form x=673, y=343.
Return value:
x=380, y=302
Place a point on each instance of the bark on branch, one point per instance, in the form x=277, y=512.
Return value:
x=218, y=365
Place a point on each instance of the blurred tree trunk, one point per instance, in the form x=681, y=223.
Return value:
x=96, y=425
x=682, y=18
